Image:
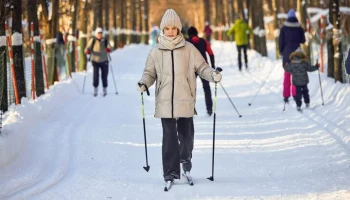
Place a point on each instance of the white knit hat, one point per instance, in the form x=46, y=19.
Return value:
x=98, y=30
x=170, y=18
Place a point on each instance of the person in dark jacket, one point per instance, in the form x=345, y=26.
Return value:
x=290, y=38
x=299, y=68
x=203, y=46
x=347, y=64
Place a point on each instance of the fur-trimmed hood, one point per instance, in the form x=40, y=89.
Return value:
x=298, y=55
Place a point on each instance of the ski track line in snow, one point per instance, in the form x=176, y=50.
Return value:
x=326, y=123
x=63, y=161
x=258, y=82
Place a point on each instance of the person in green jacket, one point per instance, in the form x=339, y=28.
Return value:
x=241, y=31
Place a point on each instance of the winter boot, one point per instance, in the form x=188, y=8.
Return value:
x=299, y=108
x=286, y=100
x=210, y=112
x=188, y=176
x=95, y=91
x=104, y=91
x=307, y=105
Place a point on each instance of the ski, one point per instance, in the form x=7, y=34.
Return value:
x=188, y=178
x=168, y=185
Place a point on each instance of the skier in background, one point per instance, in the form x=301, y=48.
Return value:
x=208, y=31
x=299, y=67
x=290, y=38
x=241, y=32
x=154, y=34
x=203, y=46
x=99, y=48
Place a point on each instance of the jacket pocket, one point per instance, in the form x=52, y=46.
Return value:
x=158, y=88
x=189, y=87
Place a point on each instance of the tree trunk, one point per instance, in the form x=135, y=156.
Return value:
x=51, y=48
x=147, y=19
x=17, y=47
x=133, y=20
x=262, y=37
x=115, y=18
x=338, y=55
x=98, y=19
x=3, y=60
x=302, y=9
x=241, y=8
x=72, y=44
x=229, y=10
x=139, y=23
x=39, y=77
x=219, y=19
x=106, y=18
x=122, y=22
x=275, y=7
x=83, y=36
x=128, y=21
x=207, y=10
x=253, y=23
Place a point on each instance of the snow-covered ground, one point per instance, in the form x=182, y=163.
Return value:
x=69, y=145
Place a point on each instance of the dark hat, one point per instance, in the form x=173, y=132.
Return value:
x=192, y=31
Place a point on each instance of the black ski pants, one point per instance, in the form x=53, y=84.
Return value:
x=239, y=49
x=207, y=94
x=103, y=66
x=178, y=138
x=302, y=91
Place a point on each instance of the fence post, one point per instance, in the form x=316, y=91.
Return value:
x=42, y=42
x=9, y=46
x=32, y=57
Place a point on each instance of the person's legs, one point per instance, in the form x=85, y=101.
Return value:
x=298, y=95
x=239, y=49
x=245, y=55
x=170, y=150
x=104, y=75
x=95, y=74
x=306, y=95
x=185, y=129
x=286, y=86
x=207, y=94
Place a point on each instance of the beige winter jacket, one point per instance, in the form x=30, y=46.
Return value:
x=174, y=73
x=98, y=51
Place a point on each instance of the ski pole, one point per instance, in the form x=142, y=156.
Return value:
x=115, y=85
x=85, y=74
x=230, y=100
x=218, y=70
x=261, y=87
x=144, y=126
x=319, y=78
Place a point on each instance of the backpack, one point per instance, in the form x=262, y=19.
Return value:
x=94, y=40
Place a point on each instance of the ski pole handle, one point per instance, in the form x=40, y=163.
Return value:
x=140, y=84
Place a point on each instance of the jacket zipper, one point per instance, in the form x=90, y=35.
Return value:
x=173, y=87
